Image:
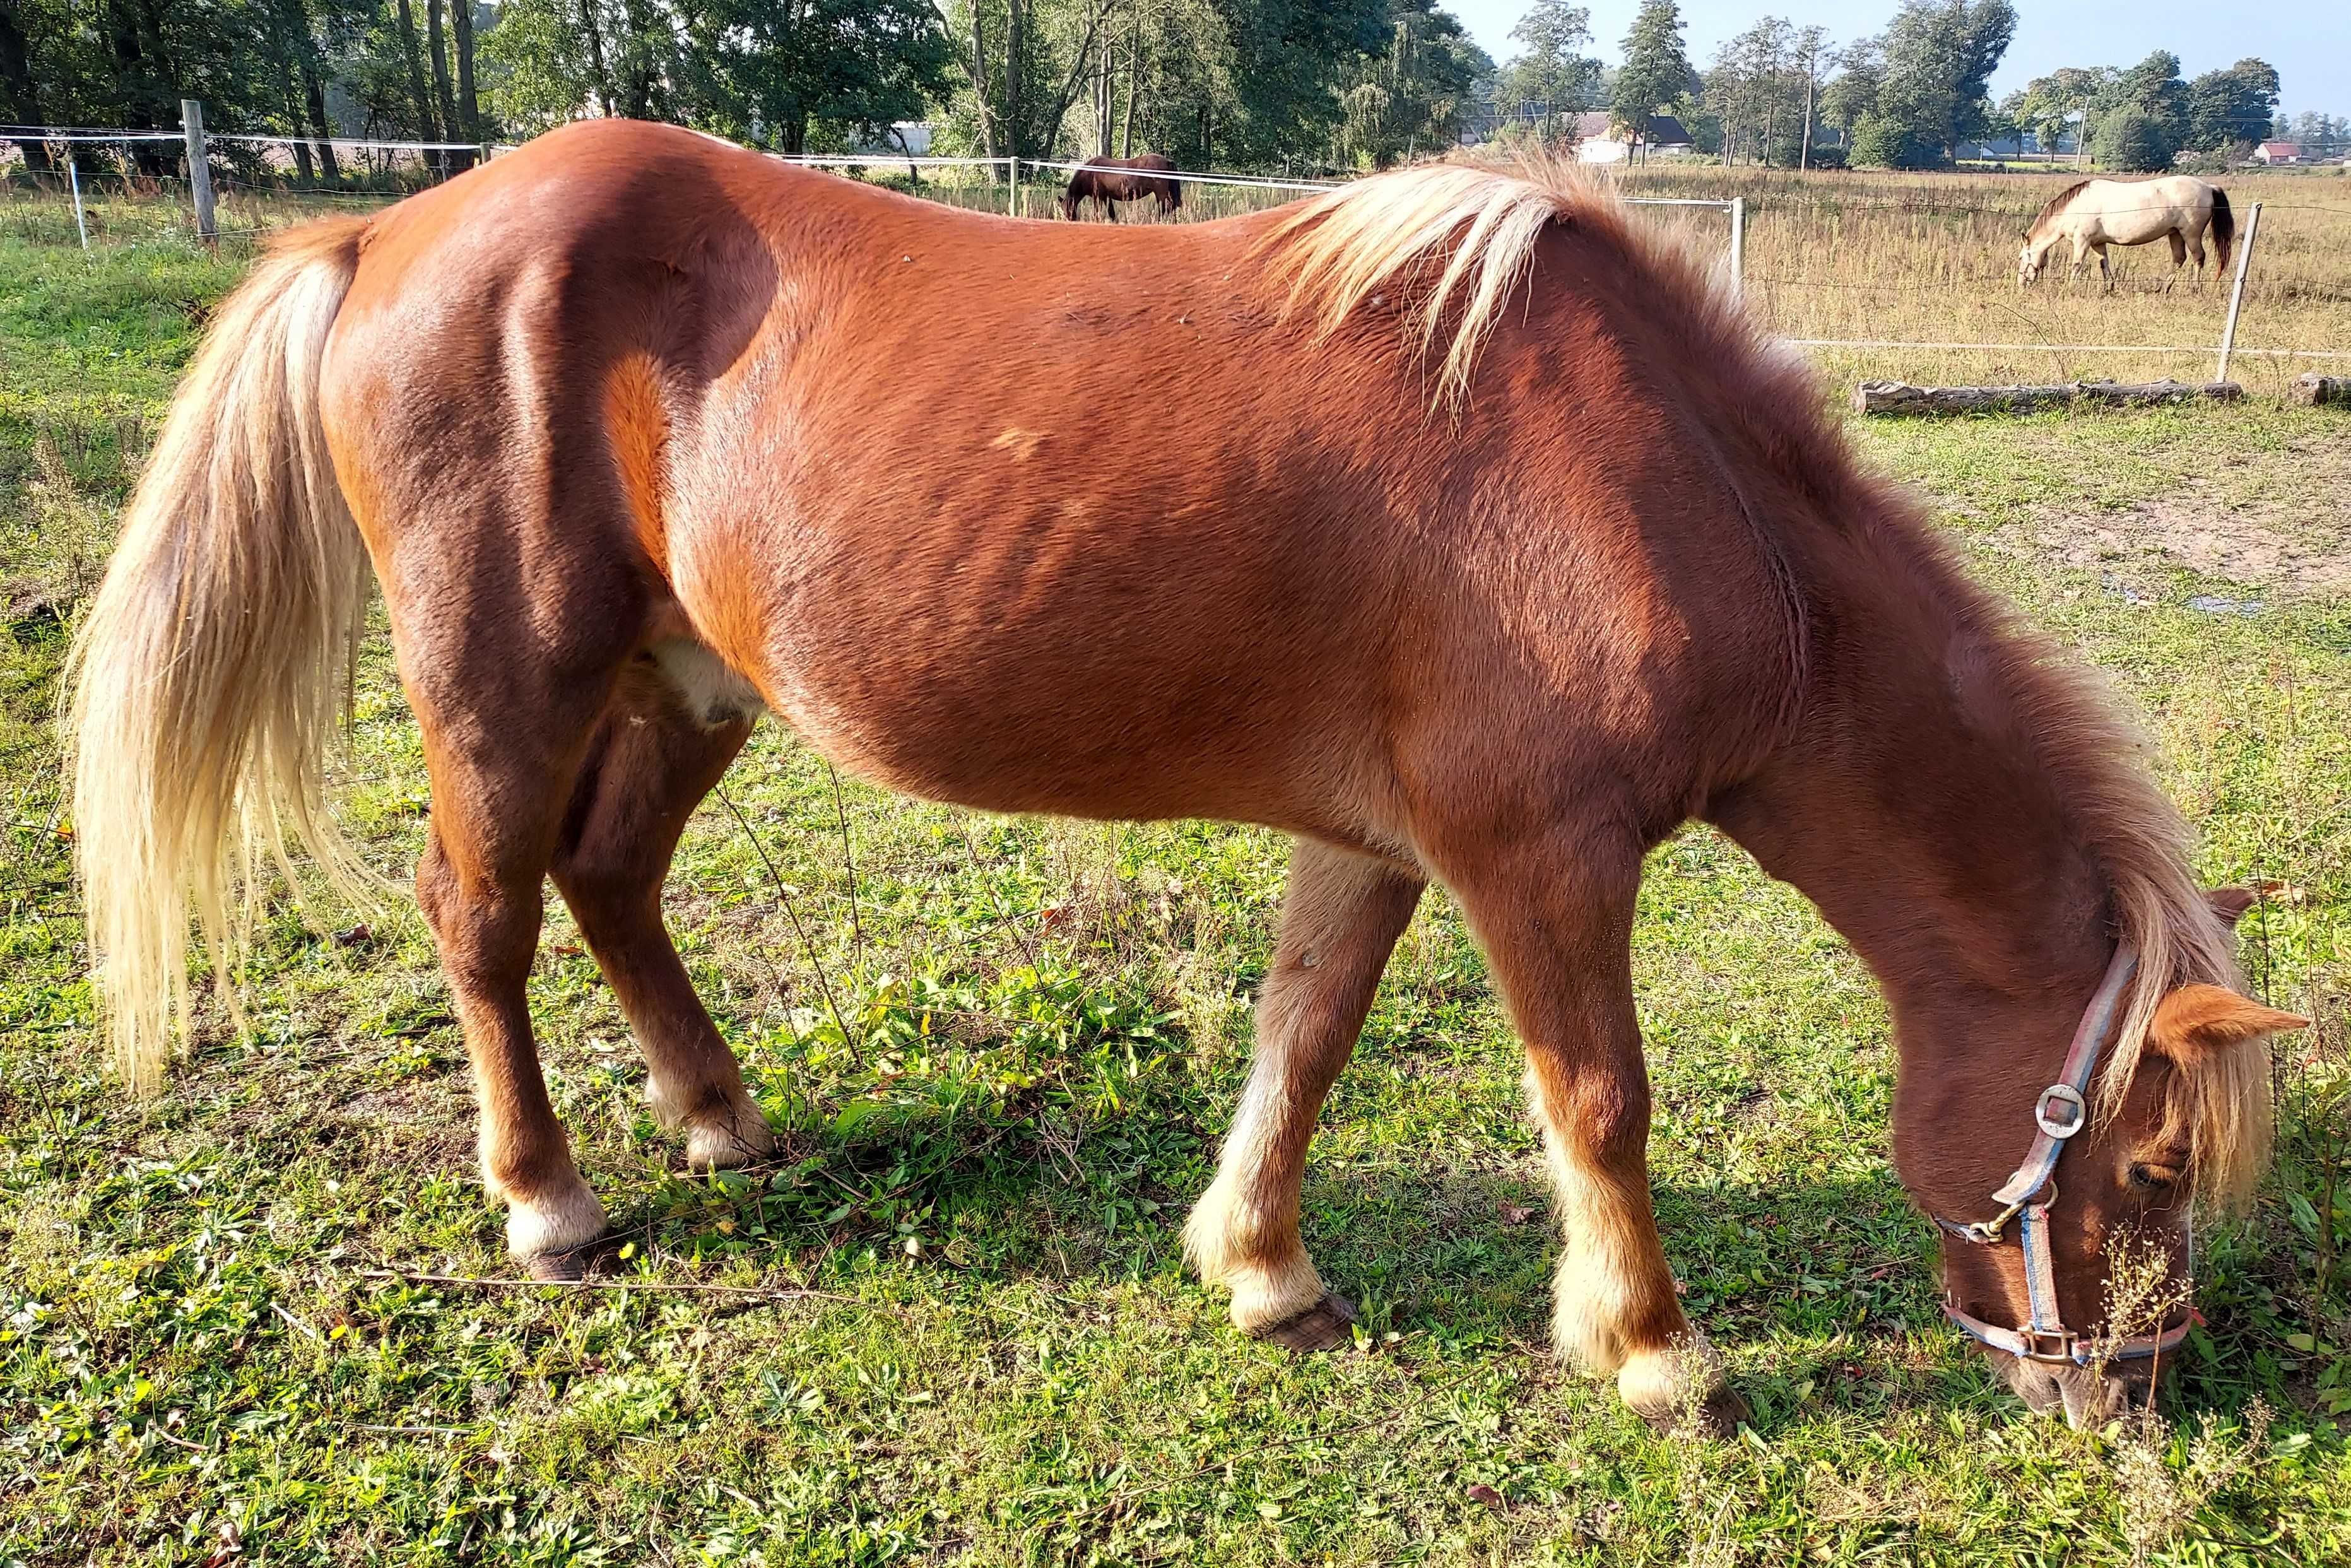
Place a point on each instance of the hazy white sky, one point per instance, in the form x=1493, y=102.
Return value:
x=2309, y=41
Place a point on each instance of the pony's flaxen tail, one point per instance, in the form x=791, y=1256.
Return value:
x=2224, y=228
x=209, y=676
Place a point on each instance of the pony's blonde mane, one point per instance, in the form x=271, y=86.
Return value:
x=1455, y=239
x=2094, y=757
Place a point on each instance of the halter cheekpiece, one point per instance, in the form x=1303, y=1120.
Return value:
x=2061, y=1111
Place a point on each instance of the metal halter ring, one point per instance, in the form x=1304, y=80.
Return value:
x=2067, y=1095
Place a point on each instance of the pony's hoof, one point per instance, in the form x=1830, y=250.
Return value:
x=590, y=1260
x=1717, y=1417
x=1326, y=1325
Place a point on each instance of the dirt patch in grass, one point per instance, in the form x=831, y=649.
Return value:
x=2293, y=539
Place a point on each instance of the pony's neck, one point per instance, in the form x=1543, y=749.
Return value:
x=1913, y=806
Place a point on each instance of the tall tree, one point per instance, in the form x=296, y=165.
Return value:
x=2153, y=84
x=1940, y=55
x=20, y=93
x=1552, y=67
x=2232, y=106
x=1657, y=73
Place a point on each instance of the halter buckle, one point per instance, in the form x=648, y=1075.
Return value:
x=2047, y=1344
x=2076, y=1113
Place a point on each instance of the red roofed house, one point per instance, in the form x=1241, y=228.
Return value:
x=2278, y=152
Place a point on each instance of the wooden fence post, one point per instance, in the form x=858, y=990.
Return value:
x=73, y=177
x=1739, y=247
x=199, y=173
x=2236, y=291
x=1012, y=201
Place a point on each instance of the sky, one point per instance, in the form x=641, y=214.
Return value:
x=2309, y=41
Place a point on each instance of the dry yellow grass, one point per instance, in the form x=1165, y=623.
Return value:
x=1844, y=256
x=1931, y=259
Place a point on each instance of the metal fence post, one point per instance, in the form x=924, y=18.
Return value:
x=2236, y=291
x=199, y=173
x=1739, y=247
x=1012, y=201
x=73, y=178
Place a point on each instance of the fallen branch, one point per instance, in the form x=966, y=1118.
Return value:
x=671, y=1287
x=1899, y=398
x=2311, y=390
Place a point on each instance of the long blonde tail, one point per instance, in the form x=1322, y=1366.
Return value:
x=211, y=673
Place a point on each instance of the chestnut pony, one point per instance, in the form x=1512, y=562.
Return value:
x=1490, y=544
x=1109, y=181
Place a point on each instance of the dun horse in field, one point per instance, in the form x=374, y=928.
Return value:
x=2095, y=213
x=1113, y=179
x=620, y=423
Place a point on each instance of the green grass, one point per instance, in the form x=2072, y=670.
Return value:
x=985, y=1348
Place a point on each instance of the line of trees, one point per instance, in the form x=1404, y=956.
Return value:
x=1246, y=83
x=1911, y=97
x=2144, y=118
x=1243, y=83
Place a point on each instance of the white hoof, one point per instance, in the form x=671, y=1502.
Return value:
x=729, y=1139
x=1265, y=1291
x=553, y=1222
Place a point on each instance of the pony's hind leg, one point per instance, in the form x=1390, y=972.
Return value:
x=1555, y=920
x=508, y=704
x=651, y=762
x=498, y=788
x=1341, y=918
x=2179, y=256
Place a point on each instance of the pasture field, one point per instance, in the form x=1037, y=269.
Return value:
x=1871, y=257
x=249, y=1320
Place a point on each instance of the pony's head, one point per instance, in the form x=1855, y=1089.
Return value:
x=2029, y=260
x=2081, y=1317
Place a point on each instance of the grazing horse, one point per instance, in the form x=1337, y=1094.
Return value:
x=1113, y=179
x=2095, y=213
x=620, y=423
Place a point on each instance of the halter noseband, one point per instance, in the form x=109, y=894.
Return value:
x=2061, y=1112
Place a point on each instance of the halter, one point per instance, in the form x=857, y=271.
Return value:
x=2061, y=1112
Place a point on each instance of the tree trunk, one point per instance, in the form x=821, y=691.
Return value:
x=469, y=103
x=1016, y=44
x=646, y=101
x=20, y=95
x=436, y=50
x=1811, y=74
x=302, y=44
x=596, y=57
x=1101, y=102
x=412, y=56
x=1900, y=398
x=979, y=90
x=1134, y=85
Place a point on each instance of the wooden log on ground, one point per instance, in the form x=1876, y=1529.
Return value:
x=1900, y=398
x=2311, y=390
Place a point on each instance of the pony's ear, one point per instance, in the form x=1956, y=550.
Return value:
x=2230, y=903
x=2197, y=1019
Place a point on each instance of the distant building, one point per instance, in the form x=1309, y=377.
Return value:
x=1599, y=140
x=2278, y=152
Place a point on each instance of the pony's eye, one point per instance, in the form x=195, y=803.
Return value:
x=2149, y=1177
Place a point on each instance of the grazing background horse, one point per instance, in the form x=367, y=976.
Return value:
x=1113, y=179
x=620, y=423
x=2095, y=213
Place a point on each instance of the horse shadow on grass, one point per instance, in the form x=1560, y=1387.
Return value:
x=1822, y=1292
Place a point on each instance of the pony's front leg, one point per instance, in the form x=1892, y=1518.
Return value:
x=1556, y=924
x=1340, y=919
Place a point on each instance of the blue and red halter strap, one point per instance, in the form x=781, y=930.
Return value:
x=2061, y=1111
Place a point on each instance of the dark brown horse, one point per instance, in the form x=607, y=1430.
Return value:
x=621, y=424
x=1110, y=180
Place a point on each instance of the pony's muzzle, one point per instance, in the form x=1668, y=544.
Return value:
x=2089, y=1396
